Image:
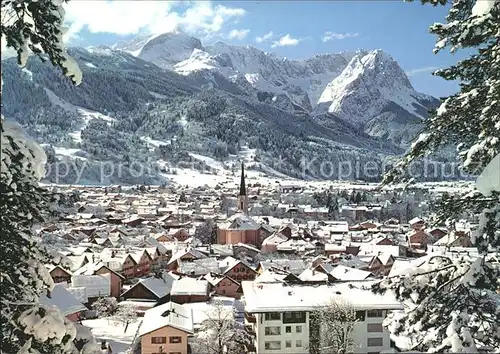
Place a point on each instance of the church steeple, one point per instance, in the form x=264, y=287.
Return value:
x=242, y=197
x=243, y=190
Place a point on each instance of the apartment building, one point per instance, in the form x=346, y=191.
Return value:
x=280, y=315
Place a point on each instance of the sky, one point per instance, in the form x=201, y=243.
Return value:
x=293, y=29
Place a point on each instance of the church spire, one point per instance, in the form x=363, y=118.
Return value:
x=242, y=198
x=243, y=190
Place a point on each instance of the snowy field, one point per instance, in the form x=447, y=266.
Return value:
x=113, y=333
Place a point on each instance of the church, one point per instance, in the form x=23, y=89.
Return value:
x=240, y=228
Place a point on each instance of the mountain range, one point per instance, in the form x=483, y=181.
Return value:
x=214, y=100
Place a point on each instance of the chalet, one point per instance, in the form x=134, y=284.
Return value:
x=420, y=239
x=270, y=244
x=417, y=224
x=179, y=234
x=59, y=274
x=186, y=289
x=382, y=241
x=185, y=255
x=237, y=270
x=242, y=250
x=116, y=279
x=224, y=285
x=143, y=262
x=454, y=239
x=438, y=233
x=166, y=329
x=133, y=221
x=152, y=288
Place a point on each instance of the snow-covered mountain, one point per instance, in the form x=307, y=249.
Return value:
x=365, y=88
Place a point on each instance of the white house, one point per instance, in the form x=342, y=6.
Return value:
x=280, y=314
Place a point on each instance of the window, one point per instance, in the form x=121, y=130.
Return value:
x=288, y=344
x=158, y=340
x=294, y=317
x=288, y=329
x=272, y=331
x=375, y=342
x=175, y=339
x=375, y=313
x=360, y=315
x=272, y=345
x=298, y=343
x=375, y=327
x=298, y=329
x=273, y=316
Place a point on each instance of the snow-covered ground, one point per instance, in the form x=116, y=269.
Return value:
x=153, y=142
x=68, y=152
x=84, y=113
x=113, y=333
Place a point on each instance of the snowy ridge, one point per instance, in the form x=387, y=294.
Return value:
x=355, y=85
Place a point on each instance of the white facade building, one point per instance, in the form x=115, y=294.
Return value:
x=280, y=315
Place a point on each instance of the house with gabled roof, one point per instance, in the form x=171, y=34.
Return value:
x=237, y=269
x=99, y=268
x=186, y=289
x=166, y=329
x=157, y=288
x=66, y=302
x=59, y=274
x=185, y=254
x=223, y=285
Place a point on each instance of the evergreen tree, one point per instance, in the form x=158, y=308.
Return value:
x=28, y=326
x=36, y=26
x=451, y=305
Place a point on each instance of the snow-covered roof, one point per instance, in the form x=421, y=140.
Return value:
x=189, y=286
x=241, y=222
x=96, y=285
x=400, y=266
x=295, y=244
x=169, y=314
x=194, y=252
x=199, y=266
x=313, y=276
x=272, y=297
x=274, y=239
x=415, y=221
x=343, y=273
x=62, y=299
x=79, y=293
x=294, y=266
x=159, y=286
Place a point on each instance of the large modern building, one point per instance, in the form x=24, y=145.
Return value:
x=280, y=315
